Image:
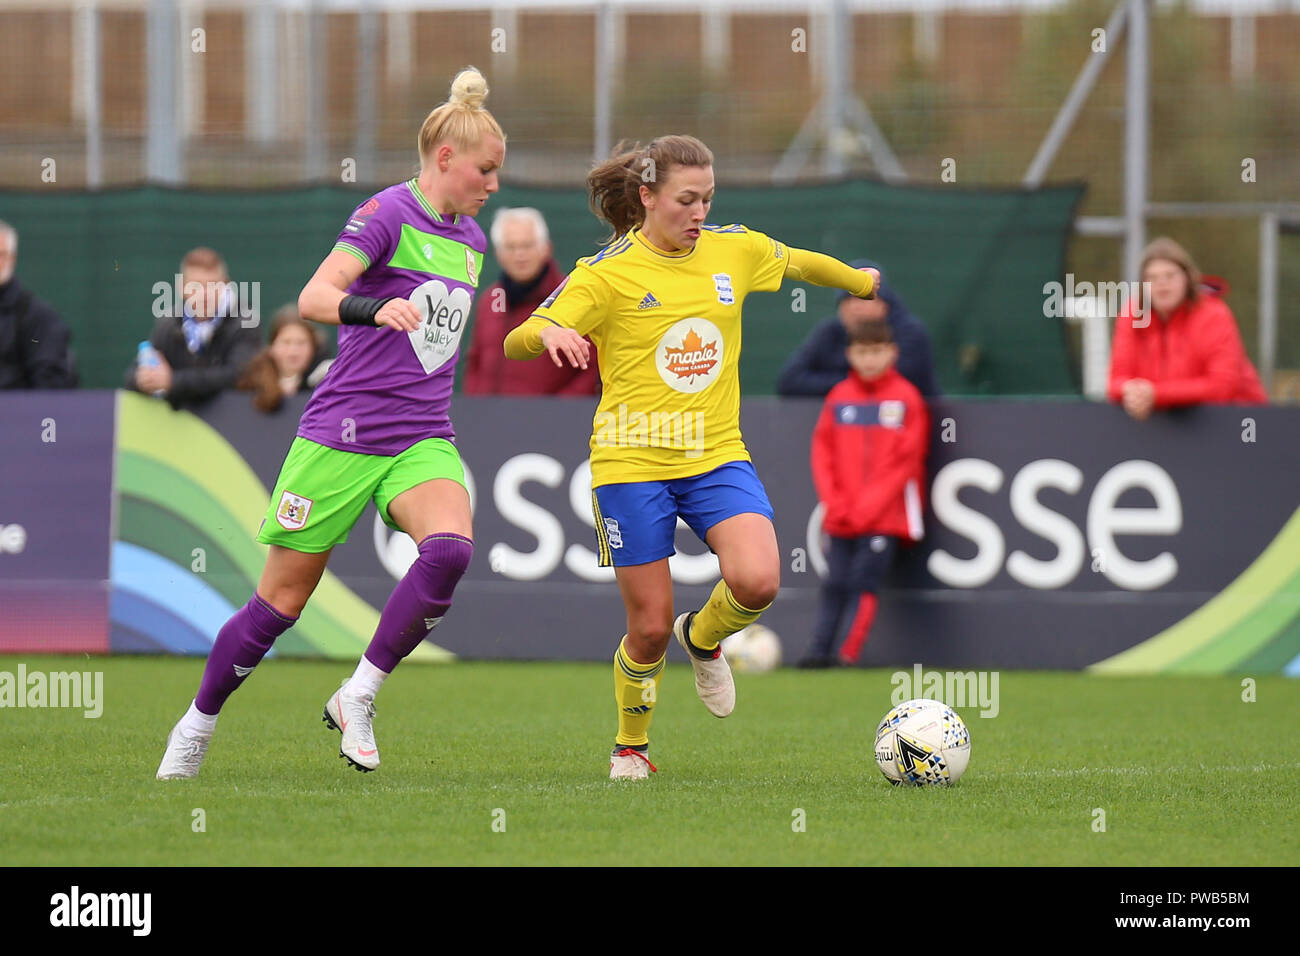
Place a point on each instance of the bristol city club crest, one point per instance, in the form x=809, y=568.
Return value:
x=292, y=511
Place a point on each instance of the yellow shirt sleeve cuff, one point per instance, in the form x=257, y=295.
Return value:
x=525, y=341
x=808, y=266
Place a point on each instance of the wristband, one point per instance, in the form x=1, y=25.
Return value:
x=361, y=309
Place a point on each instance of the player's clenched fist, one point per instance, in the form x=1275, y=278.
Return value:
x=566, y=342
x=875, y=282
x=399, y=314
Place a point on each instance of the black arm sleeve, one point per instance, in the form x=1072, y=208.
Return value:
x=45, y=349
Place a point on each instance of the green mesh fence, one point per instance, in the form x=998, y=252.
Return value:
x=970, y=263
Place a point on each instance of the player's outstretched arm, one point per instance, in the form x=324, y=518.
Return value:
x=325, y=291
x=537, y=335
x=819, y=269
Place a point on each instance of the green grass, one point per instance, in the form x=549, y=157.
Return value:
x=1187, y=773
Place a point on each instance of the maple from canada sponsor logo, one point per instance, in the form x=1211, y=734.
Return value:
x=689, y=356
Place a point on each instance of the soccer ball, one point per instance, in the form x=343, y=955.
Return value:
x=753, y=650
x=922, y=742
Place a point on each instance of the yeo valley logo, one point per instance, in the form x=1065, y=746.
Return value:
x=444, y=313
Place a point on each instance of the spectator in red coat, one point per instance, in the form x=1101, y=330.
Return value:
x=1185, y=349
x=868, y=463
x=529, y=274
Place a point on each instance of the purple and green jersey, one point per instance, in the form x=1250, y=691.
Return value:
x=388, y=389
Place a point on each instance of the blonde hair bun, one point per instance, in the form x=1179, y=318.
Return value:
x=469, y=89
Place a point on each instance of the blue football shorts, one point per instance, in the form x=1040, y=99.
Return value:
x=636, y=521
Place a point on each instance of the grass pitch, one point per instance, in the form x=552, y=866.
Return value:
x=1186, y=772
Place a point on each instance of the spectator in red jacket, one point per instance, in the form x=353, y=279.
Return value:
x=868, y=463
x=1185, y=349
x=530, y=273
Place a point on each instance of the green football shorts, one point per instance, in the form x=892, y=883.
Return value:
x=322, y=491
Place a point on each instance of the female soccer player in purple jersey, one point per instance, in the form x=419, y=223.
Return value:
x=662, y=303
x=399, y=280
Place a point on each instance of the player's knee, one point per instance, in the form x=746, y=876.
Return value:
x=649, y=633
x=449, y=551
x=756, y=591
x=443, y=560
x=287, y=600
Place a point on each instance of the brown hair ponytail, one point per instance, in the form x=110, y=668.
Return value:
x=614, y=186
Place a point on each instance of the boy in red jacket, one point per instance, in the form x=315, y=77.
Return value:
x=868, y=463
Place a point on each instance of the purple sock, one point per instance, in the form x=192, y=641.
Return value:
x=420, y=599
x=243, y=642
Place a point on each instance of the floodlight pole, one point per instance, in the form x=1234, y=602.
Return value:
x=368, y=93
x=1269, y=224
x=162, y=138
x=314, y=76
x=1137, y=125
x=91, y=91
x=262, y=69
x=605, y=56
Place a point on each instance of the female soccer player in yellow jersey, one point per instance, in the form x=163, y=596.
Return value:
x=662, y=303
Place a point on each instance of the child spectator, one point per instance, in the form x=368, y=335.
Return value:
x=868, y=463
x=293, y=362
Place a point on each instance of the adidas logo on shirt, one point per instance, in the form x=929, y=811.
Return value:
x=649, y=302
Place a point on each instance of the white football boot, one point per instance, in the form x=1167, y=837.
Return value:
x=351, y=715
x=184, y=754
x=713, y=680
x=628, y=763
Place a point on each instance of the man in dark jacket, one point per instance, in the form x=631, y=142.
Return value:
x=819, y=363
x=202, y=351
x=33, y=339
x=529, y=274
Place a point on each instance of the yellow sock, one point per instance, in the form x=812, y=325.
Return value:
x=721, y=616
x=636, y=687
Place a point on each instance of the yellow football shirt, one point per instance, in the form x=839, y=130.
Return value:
x=667, y=330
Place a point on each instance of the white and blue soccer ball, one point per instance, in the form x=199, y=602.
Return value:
x=753, y=650
x=922, y=742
